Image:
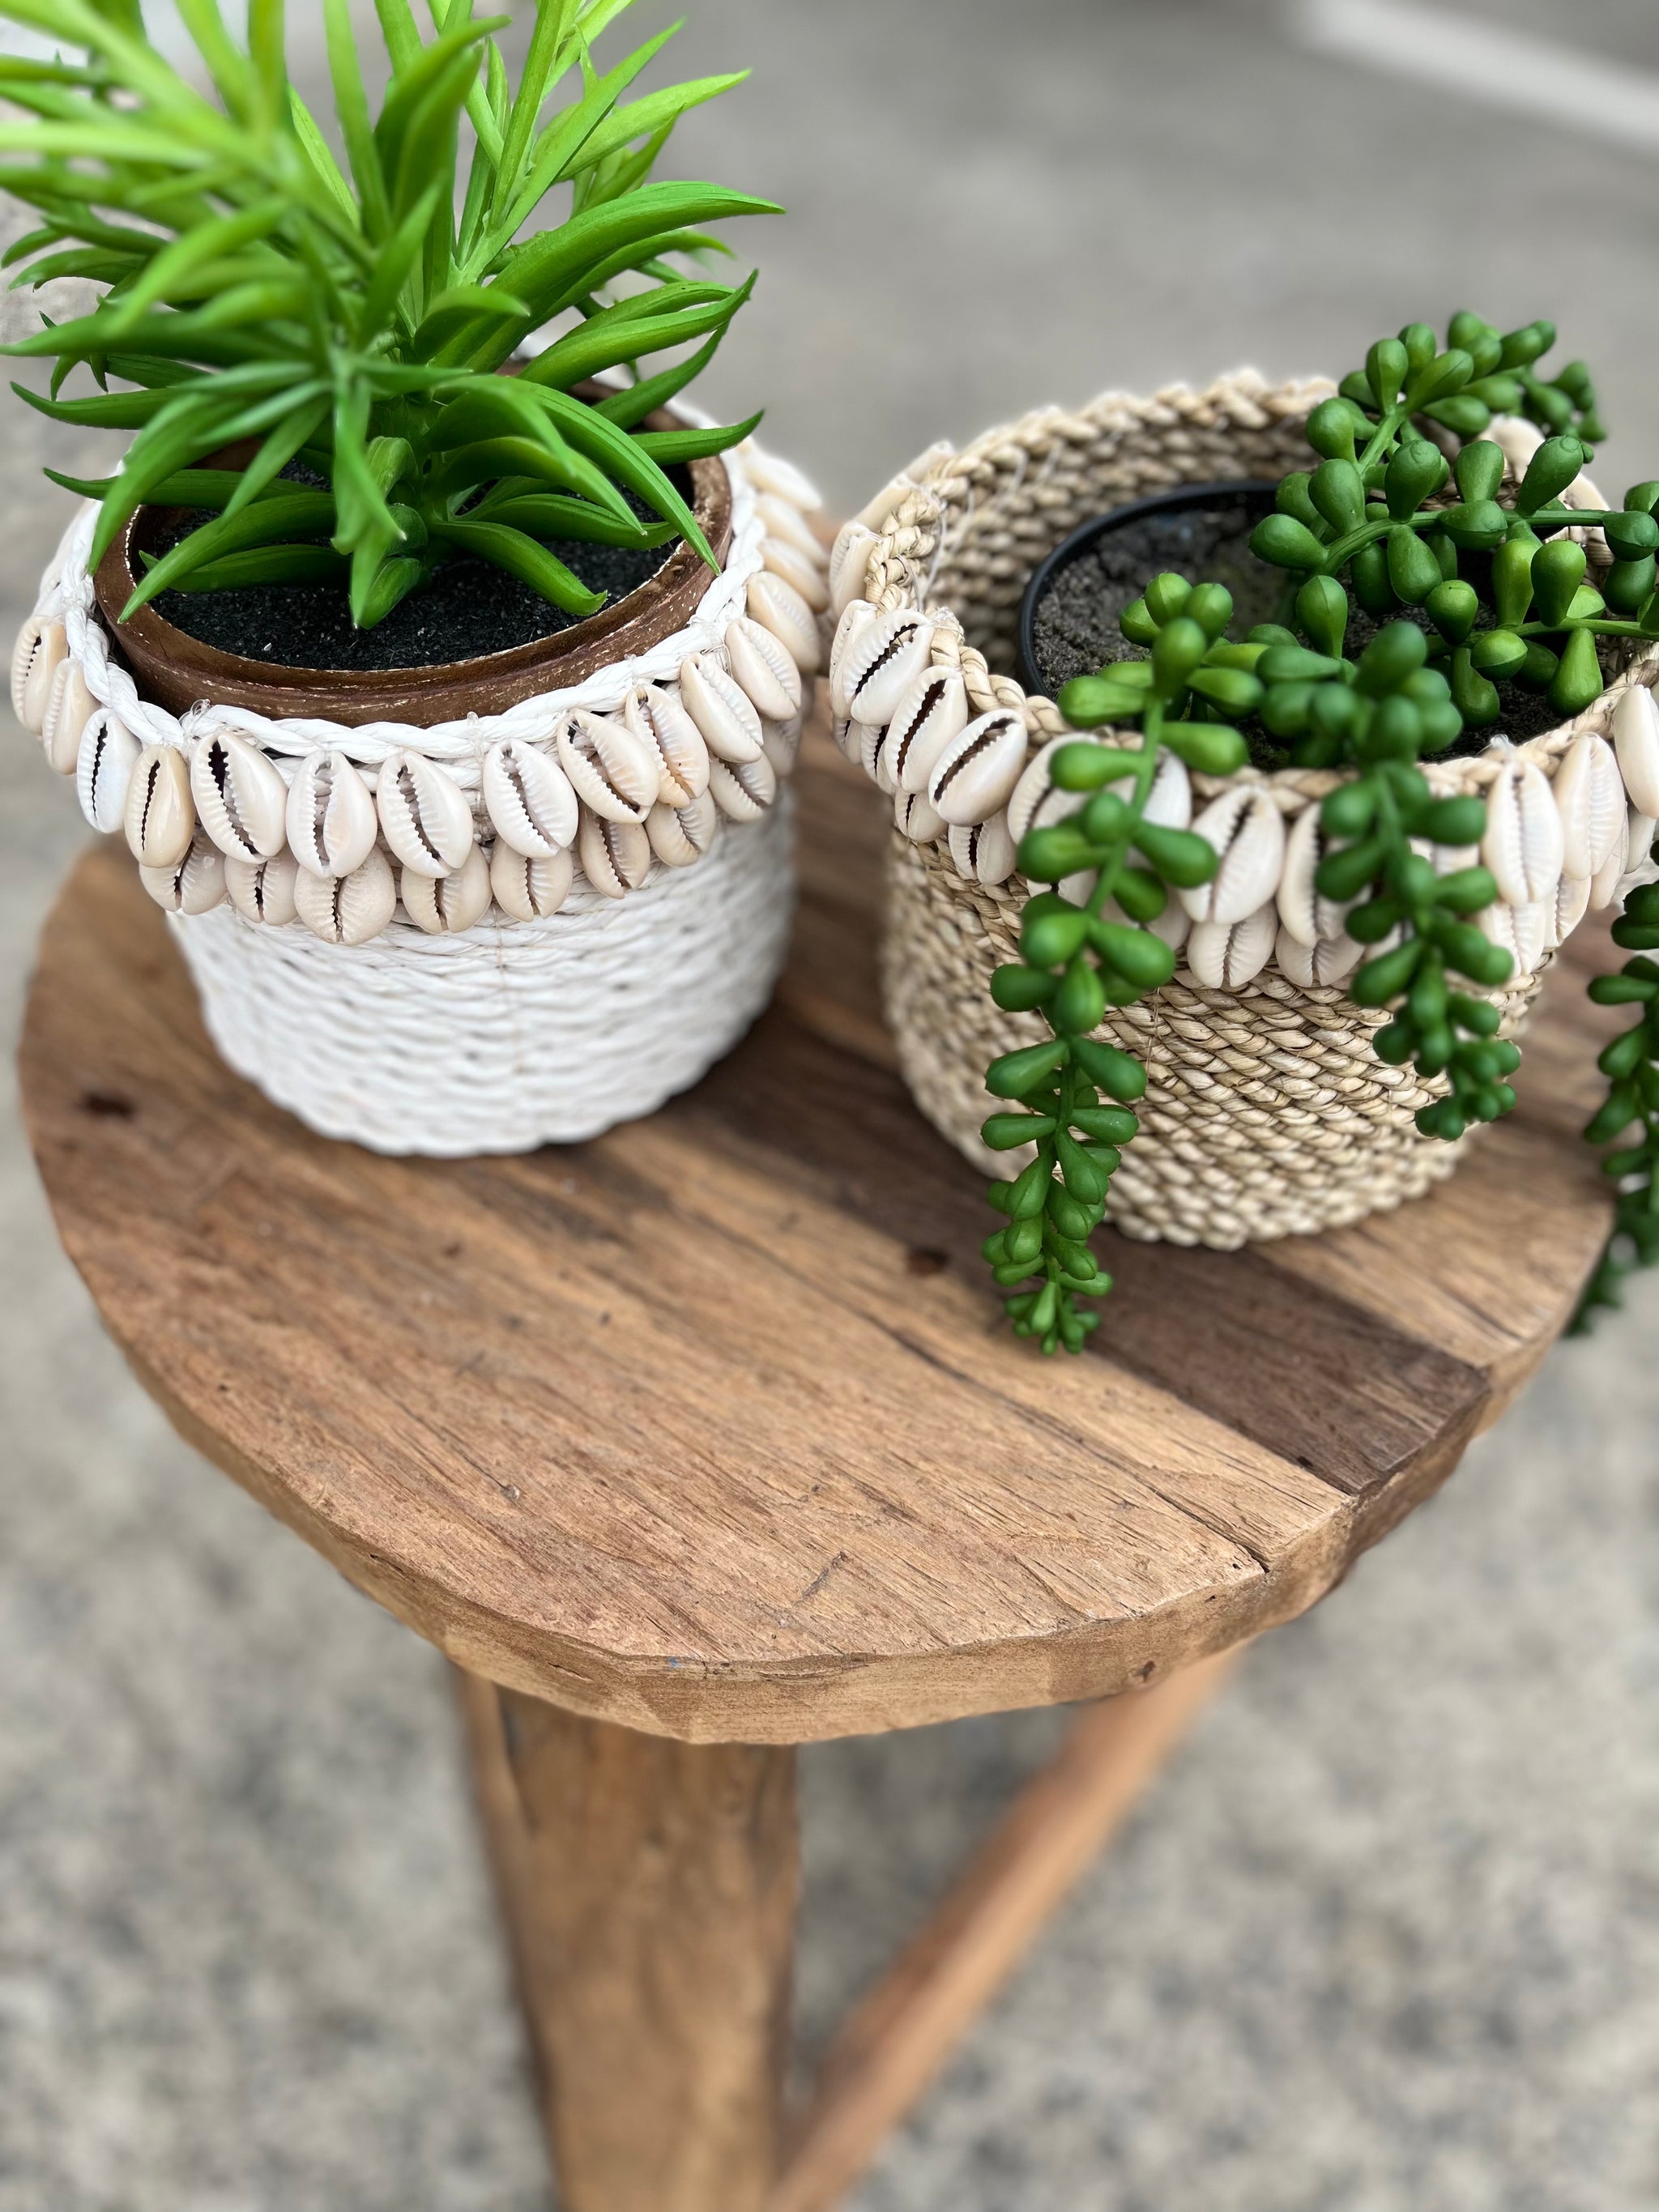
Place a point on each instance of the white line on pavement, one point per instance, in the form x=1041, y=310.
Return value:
x=1486, y=63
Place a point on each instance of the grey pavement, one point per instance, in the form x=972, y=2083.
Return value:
x=1385, y=1938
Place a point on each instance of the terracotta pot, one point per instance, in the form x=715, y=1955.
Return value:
x=176, y=670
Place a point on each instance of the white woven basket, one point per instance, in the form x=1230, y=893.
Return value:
x=510, y=1035
x=494, y=1033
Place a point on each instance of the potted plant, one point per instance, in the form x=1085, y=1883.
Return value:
x=442, y=668
x=1246, y=920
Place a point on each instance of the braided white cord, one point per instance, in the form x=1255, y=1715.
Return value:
x=67, y=595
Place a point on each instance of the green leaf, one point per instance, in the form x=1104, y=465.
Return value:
x=351, y=105
x=645, y=116
x=273, y=564
x=609, y=338
x=547, y=41
x=621, y=455
x=229, y=69
x=545, y=516
x=324, y=166
x=295, y=515
x=668, y=448
x=629, y=408
x=552, y=271
x=561, y=144
x=523, y=557
x=463, y=302
x=1014, y=1074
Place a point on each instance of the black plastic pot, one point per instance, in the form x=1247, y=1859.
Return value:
x=1252, y=496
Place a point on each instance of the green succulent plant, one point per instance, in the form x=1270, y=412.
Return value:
x=354, y=318
x=1458, y=592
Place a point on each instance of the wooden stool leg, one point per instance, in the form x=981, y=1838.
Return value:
x=650, y=1890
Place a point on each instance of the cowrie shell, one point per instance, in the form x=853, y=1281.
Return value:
x=974, y=776
x=680, y=834
x=41, y=649
x=241, y=800
x=1247, y=833
x=781, y=743
x=70, y=707
x=763, y=670
x=721, y=709
x=348, y=909
x=1589, y=797
x=779, y=607
x=1225, y=955
x=769, y=472
x=871, y=754
x=1309, y=919
x=1169, y=801
x=784, y=521
x=854, y=619
x=1635, y=741
x=1523, y=843
x=657, y=717
x=104, y=769
x=159, y=817
x=445, y=905
x=882, y=657
x=612, y=772
x=1564, y=913
x=1638, y=840
x=1604, y=885
x=331, y=818
x=983, y=851
x=931, y=713
x=850, y=565
x=528, y=797
x=424, y=815
x=743, y=790
x=263, y=890
x=194, y=884
x=530, y=889
x=1326, y=960
x=802, y=571
x=1035, y=801
x=615, y=856
x=914, y=813
x=1522, y=931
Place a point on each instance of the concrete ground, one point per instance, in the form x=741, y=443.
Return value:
x=1386, y=1936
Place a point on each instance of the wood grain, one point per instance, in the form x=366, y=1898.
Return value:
x=902, y=2030
x=711, y=1427
x=649, y=1891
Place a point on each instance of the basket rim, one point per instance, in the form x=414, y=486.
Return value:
x=911, y=540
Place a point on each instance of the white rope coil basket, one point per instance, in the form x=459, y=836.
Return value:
x=506, y=1036
x=1266, y=1112
x=490, y=933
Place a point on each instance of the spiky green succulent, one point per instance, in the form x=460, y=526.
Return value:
x=354, y=318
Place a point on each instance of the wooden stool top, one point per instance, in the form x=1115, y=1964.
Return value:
x=712, y=1427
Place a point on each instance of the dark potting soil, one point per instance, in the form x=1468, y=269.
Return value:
x=468, y=608
x=1075, y=631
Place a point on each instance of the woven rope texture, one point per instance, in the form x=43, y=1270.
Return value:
x=1266, y=1113
x=504, y=1036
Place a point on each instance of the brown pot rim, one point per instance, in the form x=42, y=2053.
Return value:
x=178, y=671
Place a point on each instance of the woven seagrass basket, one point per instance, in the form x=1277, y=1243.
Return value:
x=1266, y=1112
x=493, y=957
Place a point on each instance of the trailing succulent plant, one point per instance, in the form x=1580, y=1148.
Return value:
x=1457, y=593
x=350, y=320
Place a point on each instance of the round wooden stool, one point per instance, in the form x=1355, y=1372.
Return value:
x=705, y=1439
